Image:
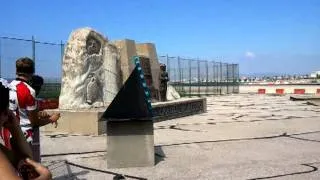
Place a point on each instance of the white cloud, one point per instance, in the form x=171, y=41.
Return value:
x=249, y=55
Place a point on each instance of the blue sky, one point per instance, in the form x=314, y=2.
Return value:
x=263, y=36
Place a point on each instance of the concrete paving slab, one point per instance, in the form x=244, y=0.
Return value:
x=273, y=138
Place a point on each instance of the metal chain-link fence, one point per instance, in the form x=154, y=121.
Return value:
x=194, y=77
x=190, y=77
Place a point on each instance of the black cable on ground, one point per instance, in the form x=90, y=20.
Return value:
x=223, y=140
x=289, y=174
x=240, y=139
x=303, y=139
x=103, y=171
x=72, y=153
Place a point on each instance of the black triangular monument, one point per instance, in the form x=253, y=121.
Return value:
x=133, y=101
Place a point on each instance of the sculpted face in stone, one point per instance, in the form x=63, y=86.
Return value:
x=90, y=74
x=93, y=46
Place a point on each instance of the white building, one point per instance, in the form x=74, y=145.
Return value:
x=315, y=74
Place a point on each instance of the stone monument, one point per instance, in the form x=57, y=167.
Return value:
x=94, y=70
x=172, y=94
x=90, y=71
x=147, y=51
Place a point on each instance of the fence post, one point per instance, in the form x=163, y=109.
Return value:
x=189, y=77
x=221, y=78
x=61, y=51
x=233, y=78
x=207, y=78
x=34, y=51
x=179, y=74
x=238, y=79
x=227, y=78
x=168, y=67
x=214, y=78
x=199, y=77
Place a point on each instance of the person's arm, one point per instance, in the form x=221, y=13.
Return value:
x=37, y=120
x=6, y=169
x=19, y=143
x=45, y=118
x=33, y=117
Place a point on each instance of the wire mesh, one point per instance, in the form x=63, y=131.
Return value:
x=189, y=76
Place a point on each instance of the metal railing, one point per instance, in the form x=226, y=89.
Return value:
x=190, y=77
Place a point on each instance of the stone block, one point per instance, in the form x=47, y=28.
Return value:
x=78, y=122
x=130, y=144
x=127, y=50
x=149, y=50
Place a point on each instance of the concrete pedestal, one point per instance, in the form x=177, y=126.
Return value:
x=88, y=122
x=84, y=122
x=130, y=143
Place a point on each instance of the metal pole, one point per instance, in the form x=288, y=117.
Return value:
x=220, y=78
x=227, y=78
x=198, y=77
x=207, y=77
x=189, y=77
x=34, y=51
x=36, y=135
x=61, y=51
x=233, y=78
x=214, y=80
x=179, y=73
x=238, y=78
x=168, y=67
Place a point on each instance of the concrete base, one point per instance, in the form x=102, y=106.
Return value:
x=87, y=121
x=130, y=144
x=78, y=122
x=179, y=108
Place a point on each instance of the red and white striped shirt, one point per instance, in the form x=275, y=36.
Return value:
x=22, y=100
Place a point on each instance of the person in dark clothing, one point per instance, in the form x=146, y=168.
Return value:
x=36, y=83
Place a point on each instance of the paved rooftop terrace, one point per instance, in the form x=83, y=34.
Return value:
x=240, y=137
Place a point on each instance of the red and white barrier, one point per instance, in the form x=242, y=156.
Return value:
x=279, y=91
x=299, y=91
x=261, y=91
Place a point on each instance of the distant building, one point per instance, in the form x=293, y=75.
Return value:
x=315, y=74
